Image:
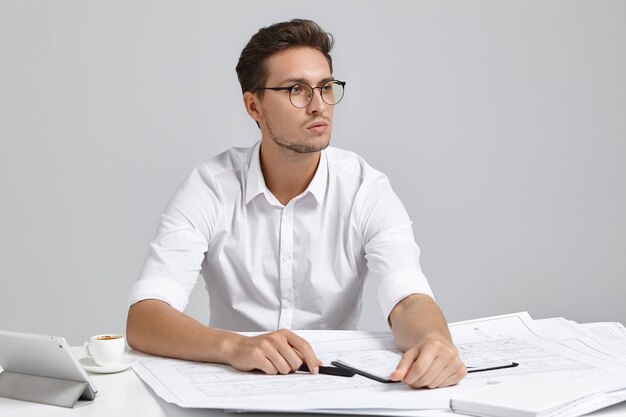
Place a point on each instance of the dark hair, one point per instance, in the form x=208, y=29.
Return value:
x=251, y=68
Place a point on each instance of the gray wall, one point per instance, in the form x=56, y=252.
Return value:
x=501, y=124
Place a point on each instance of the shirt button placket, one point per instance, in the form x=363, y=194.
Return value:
x=286, y=267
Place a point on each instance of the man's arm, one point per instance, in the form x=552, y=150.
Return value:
x=156, y=328
x=430, y=358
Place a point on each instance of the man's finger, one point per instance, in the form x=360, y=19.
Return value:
x=267, y=366
x=455, y=378
x=291, y=355
x=280, y=363
x=452, y=379
x=305, y=349
x=437, y=373
x=406, y=362
x=420, y=367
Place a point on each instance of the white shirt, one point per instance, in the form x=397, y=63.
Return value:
x=270, y=266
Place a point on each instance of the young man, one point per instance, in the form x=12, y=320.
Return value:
x=284, y=234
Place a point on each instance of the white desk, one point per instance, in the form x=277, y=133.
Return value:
x=124, y=394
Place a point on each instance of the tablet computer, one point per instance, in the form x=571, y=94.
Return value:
x=43, y=356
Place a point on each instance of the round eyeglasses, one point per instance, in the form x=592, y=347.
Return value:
x=301, y=94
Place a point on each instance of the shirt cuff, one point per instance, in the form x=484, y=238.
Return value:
x=399, y=285
x=159, y=288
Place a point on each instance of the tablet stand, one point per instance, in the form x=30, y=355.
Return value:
x=41, y=389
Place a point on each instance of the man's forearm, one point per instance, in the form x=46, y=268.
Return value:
x=416, y=317
x=156, y=328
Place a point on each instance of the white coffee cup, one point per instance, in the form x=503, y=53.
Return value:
x=106, y=349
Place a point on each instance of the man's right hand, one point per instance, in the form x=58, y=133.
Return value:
x=156, y=328
x=278, y=352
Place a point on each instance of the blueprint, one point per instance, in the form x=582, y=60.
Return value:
x=556, y=347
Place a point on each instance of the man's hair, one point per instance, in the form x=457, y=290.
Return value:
x=252, y=68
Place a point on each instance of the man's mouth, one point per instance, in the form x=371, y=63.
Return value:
x=317, y=127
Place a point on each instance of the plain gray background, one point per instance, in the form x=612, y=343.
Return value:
x=501, y=125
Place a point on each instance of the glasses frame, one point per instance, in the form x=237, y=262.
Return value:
x=289, y=88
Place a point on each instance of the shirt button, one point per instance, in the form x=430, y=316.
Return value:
x=285, y=258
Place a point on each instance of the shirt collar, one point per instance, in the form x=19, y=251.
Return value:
x=318, y=184
x=255, y=183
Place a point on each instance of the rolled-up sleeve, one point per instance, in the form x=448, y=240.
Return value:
x=177, y=251
x=390, y=249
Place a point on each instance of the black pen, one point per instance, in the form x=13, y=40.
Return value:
x=493, y=368
x=330, y=370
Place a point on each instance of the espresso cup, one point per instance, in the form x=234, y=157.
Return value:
x=106, y=349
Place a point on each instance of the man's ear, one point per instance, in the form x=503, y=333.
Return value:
x=251, y=103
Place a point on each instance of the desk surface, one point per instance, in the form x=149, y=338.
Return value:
x=124, y=394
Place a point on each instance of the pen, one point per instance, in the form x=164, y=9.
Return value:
x=511, y=365
x=330, y=370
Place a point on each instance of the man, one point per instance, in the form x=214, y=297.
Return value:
x=284, y=233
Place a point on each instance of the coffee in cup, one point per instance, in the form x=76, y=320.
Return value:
x=108, y=337
x=106, y=349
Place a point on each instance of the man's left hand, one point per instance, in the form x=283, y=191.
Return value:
x=433, y=363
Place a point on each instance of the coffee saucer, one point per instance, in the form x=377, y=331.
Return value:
x=90, y=365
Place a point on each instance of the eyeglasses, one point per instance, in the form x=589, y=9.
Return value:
x=301, y=94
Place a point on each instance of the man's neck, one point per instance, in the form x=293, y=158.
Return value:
x=287, y=173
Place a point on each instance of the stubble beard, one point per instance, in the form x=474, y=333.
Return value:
x=302, y=146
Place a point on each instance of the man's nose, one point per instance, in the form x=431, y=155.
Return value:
x=317, y=104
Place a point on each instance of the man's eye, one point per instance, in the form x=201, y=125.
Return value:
x=327, y=88
x=296, y=89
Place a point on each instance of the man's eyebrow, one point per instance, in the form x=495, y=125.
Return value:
x=302, y=80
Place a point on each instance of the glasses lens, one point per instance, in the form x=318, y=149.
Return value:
x=300, y=95
x=332, y=92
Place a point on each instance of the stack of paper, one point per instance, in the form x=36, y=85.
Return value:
x=569, y=352
x=537, y=396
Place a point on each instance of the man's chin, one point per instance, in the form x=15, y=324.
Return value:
x=316, y=145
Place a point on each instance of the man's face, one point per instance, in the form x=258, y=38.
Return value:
x=302, y=130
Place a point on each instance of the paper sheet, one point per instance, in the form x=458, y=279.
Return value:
x=514, y=337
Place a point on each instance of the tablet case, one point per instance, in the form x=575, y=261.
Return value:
x=42, y=369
